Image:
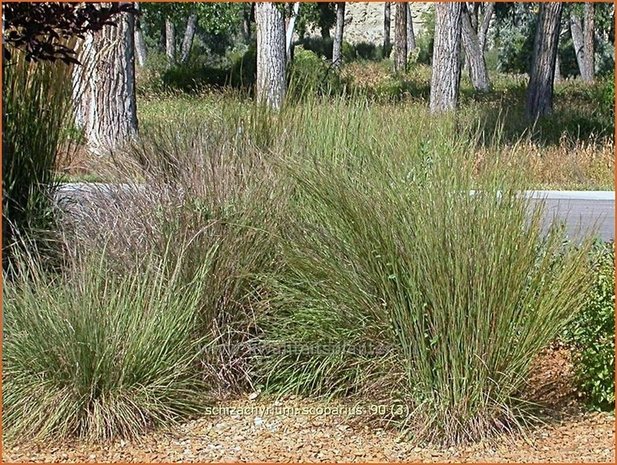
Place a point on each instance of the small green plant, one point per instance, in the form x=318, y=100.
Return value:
x=592, y=333
x=98, y=354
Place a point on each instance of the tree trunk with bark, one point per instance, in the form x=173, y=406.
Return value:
x=474, y=55
x=542, y=75
x=400, y=38
x=489, y=9
x=386, y=29
x=337, y=45
x=588, y=42
x=558, y=76
x=271, y=85
x=411, y=36
x=170, y=41
x=140, y=43
x=289, y=32
x=104, y=86
x=189, y=36
x=576, y=31
x=446, y=77
x=247, y=13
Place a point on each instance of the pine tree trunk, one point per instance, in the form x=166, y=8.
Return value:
x=446, y=77
x=386, y=29
x=189, y=35
x=400, y=38
x=170, y=41
x=474, y=55
x=588, y=42
x=104, y=87
x=271, y=85
x=411, y=36
x=337, y=45
x=540, y=88
x=140, y=43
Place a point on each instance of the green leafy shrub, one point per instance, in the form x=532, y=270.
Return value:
x=238, y=70
x=36, y=112
x=398, y=283
x=97, y=354
x=322, y=47
x=592, y=333
x=312, y=75
x=243, y=72
x=348, y=52
x=367, y=51
x=604, y=95
x=194, y=77
x=426, y=38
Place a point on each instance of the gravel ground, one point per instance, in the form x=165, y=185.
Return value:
x=301, y=430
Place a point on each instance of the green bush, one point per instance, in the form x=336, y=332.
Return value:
x=398, y=283
x=194, y=77
x=312, y=75
x=368, y=51
x=243, y=72
x=592, y=333
x=100, y=355
x=604, y=95
x=35, y=115
x=322, y=47
x=348, y=52
x=238, y=70
x=425, y=40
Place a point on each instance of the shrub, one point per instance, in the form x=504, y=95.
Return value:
x=399, y=283
x=36, y=110
x=592, y=333
x=367, y=51
x=604, y=94
x=322, y=47
x=348, y=52
x=426, y=39
x=98, y=355
x=312, y=75
x=193, y=77
x=243, y=72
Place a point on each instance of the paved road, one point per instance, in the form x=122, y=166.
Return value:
x=582, y=211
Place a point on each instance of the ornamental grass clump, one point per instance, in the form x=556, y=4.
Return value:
x=208, y=189
x=410, y=279
x=36, y=111
x=99, y=355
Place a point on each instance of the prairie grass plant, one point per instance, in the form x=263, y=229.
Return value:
x=36, y=106
x=209, y=189
x=96, y=354
x=344, y=235
x=398, y=283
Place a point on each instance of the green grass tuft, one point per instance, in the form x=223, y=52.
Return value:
x=100, y=355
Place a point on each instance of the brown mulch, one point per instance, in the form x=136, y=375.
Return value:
x=301, y=430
